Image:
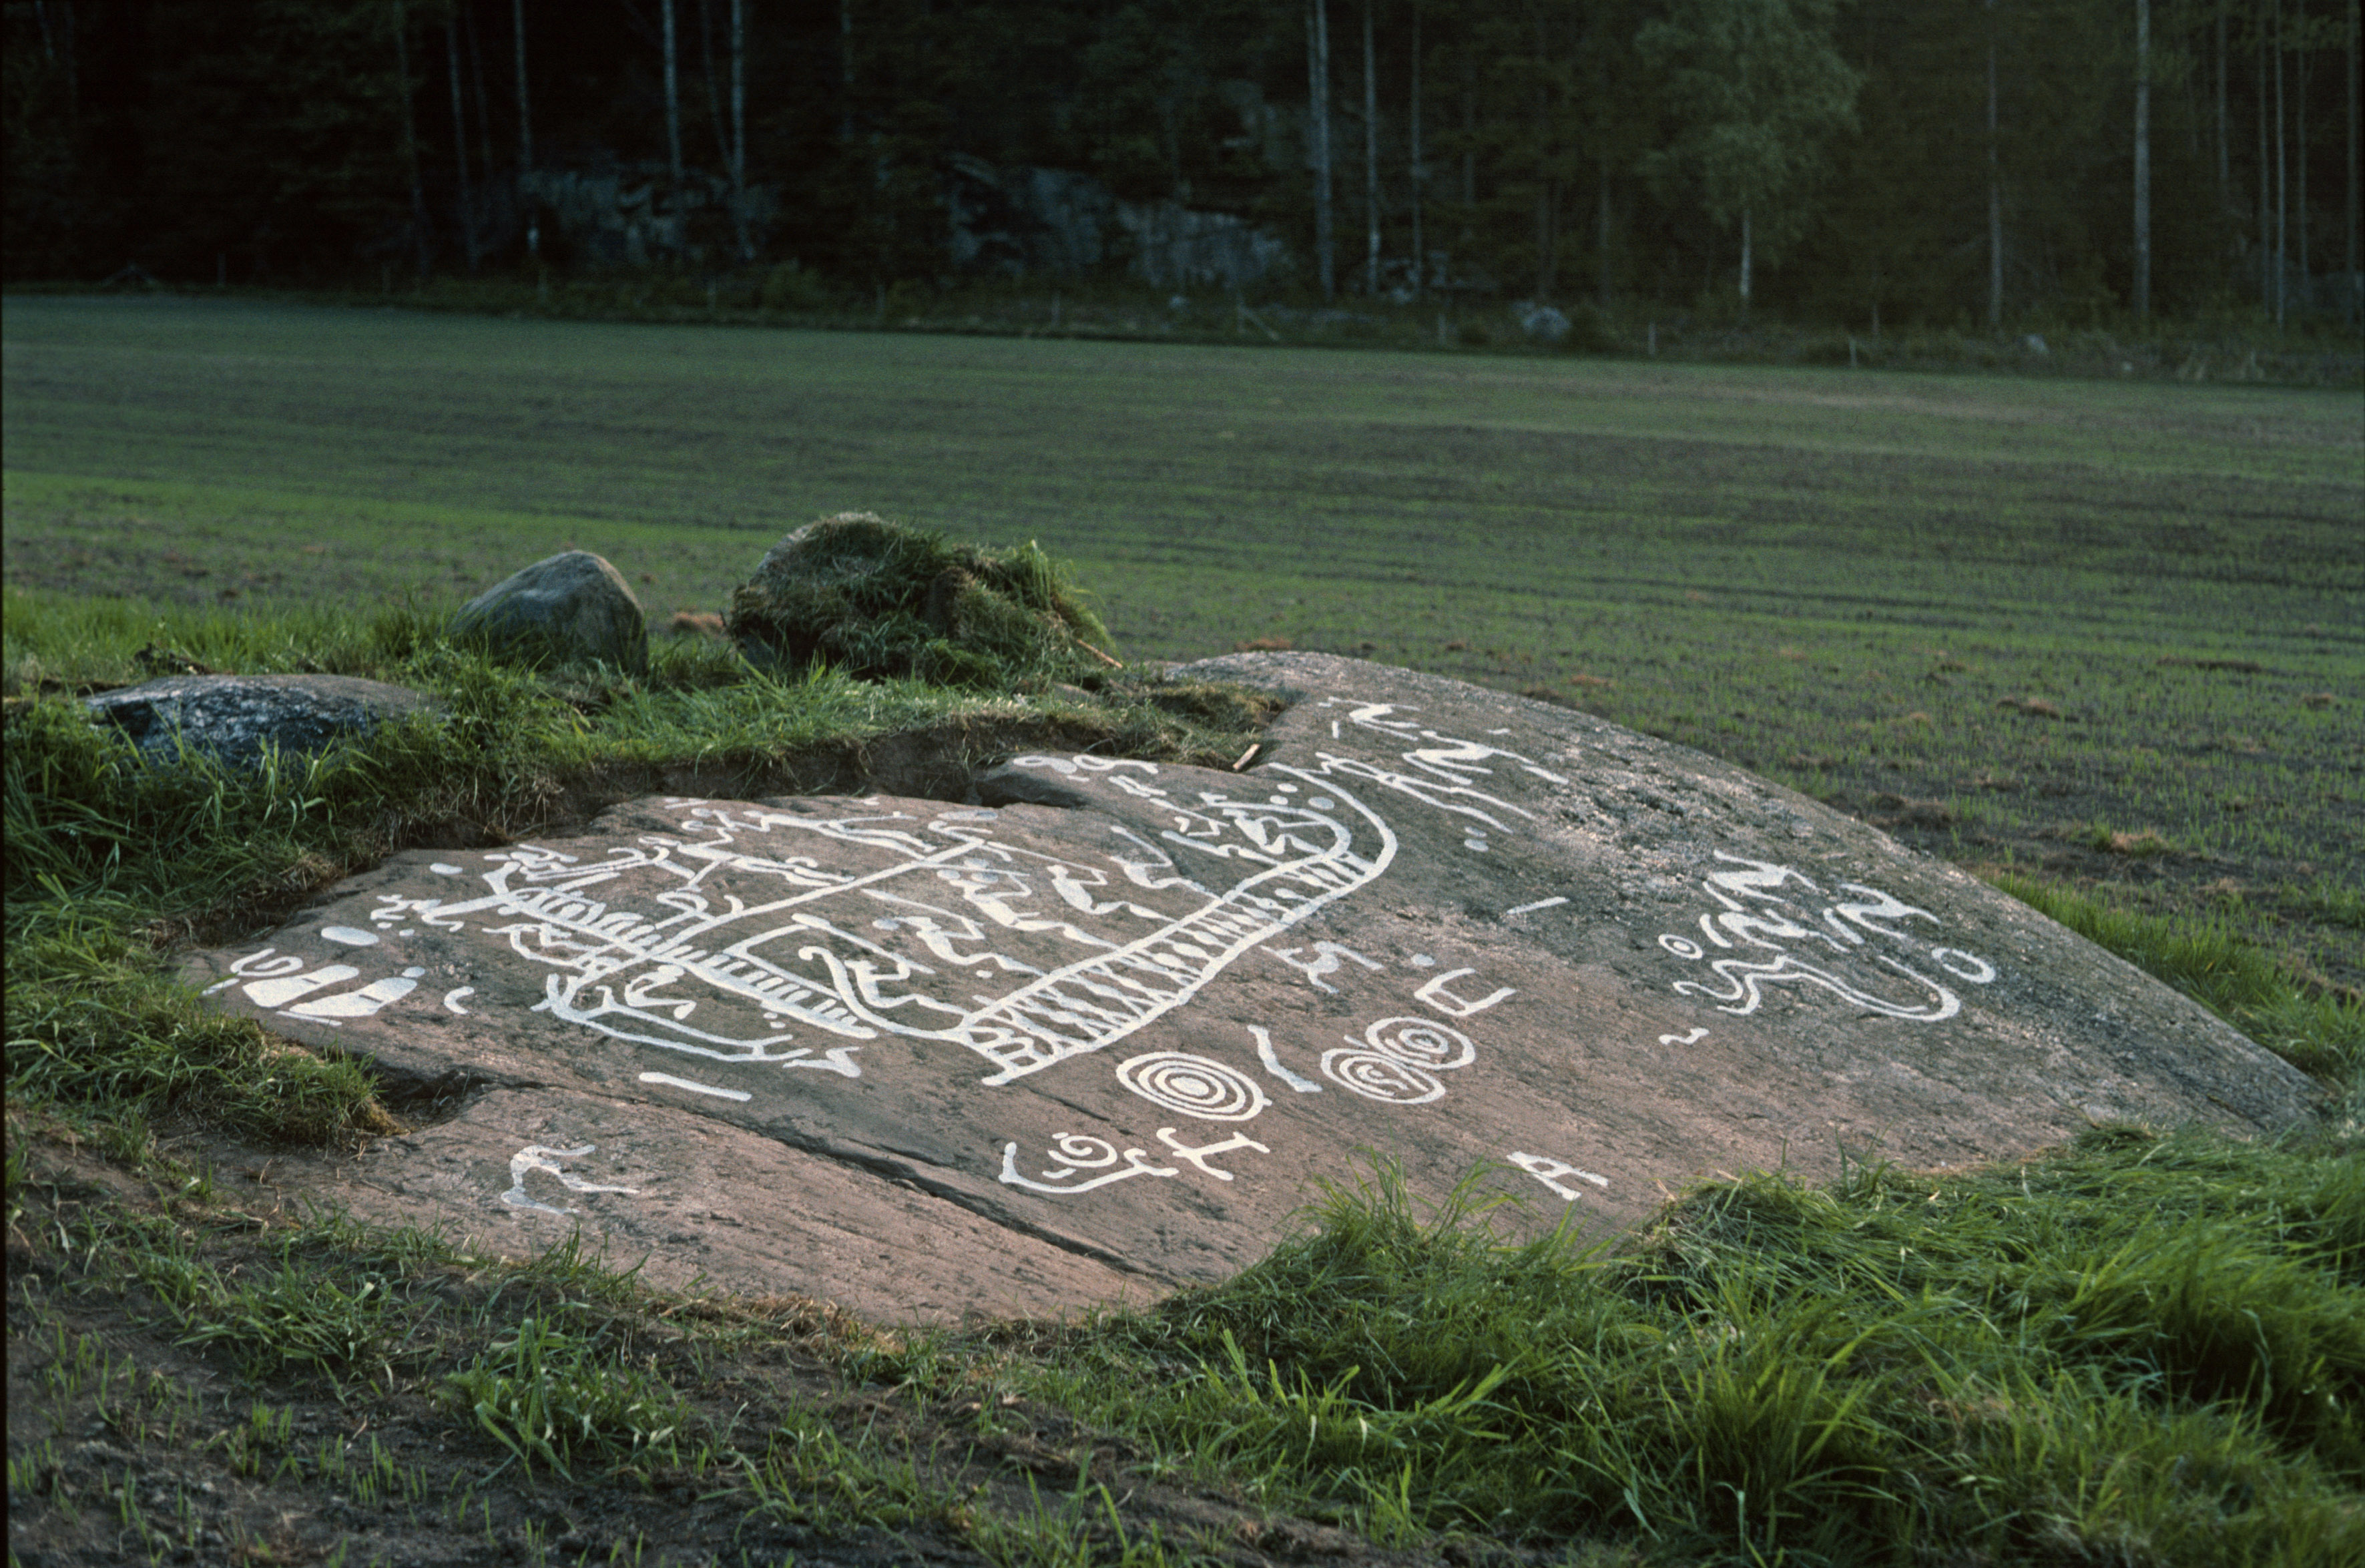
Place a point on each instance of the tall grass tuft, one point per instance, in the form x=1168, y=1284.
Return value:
x=2144, y=1349
x=2212, y=962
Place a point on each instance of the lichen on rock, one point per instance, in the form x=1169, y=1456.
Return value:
x=878, y=600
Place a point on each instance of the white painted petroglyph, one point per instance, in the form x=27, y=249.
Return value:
x=1325, y=961
x=258, y=966
x=278, y=993
x=1377, y=1076
x=1774, y=923
x=1451, y=762
x=695, y=1087
x=1445, y=1002
x=1420, y=1042
x=1194, y=1086
x=1203, y=1152
x=1081, y=1154
x=747, y=921
x=1273, y=1064
x=1398, y=1059
x=792, y=937
x=1963, y=966
x=534, y=1157
x=1548, y=1170
x=1531, y=908
x=360, y=1003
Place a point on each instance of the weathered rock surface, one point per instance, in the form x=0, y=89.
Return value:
x=233, y=717
x=1101, y=1034
x=573, y=606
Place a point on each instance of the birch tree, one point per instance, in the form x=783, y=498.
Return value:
x=1758, y=93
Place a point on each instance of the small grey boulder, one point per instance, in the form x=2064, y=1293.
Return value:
x=572, y=607
x=231, y=717
x=1541, y=322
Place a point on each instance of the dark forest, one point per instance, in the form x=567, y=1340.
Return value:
x=1971, y=165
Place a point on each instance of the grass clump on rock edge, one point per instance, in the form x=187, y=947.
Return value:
x=875, y=598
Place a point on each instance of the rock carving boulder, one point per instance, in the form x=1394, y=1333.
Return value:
x=568, y=608
x=1102, y=1033
x=876, y=599
x=233, y=717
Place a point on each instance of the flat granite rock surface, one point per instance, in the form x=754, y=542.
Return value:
x=233, y=717
x=1104, y=1032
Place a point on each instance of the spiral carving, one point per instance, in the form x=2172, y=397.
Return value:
x=1193, y=1086
x=1384, y=1078
x=1421, y=1042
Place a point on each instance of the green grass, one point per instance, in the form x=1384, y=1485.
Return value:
x=1990, y=614
x=2141, y=1350
x=2153, y=1348
x=2208, y=959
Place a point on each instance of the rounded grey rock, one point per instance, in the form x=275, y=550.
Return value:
x=570, y=607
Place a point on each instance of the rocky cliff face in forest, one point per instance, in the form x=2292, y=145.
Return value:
x=1060, y=223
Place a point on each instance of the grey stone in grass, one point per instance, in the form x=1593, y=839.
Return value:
x=1105, y=1028
x=232, y=718
x=570, y=607
x=1544, y=323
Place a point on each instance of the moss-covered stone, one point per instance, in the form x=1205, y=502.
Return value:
x=876, y=599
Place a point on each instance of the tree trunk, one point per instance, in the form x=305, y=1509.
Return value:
x=64, y=51
x=1413, y=166
x=1371, y=157
x=2224, y=162
x=2266, y=186
x=525, y=110
x=1603, y=287
x=1317, y=92
x=2299, y=134
x=713, y=92
x=1995, y=188
x=845, y=71
x=739, y=127
x=2282, y=176
x=460, y=140
x=2349, y=253
x=1547, y=228
x=410, y=138
x=1744, y=261
x=1469, y=133
x=673, y=97
x=483, y=106
x=2142, y=159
